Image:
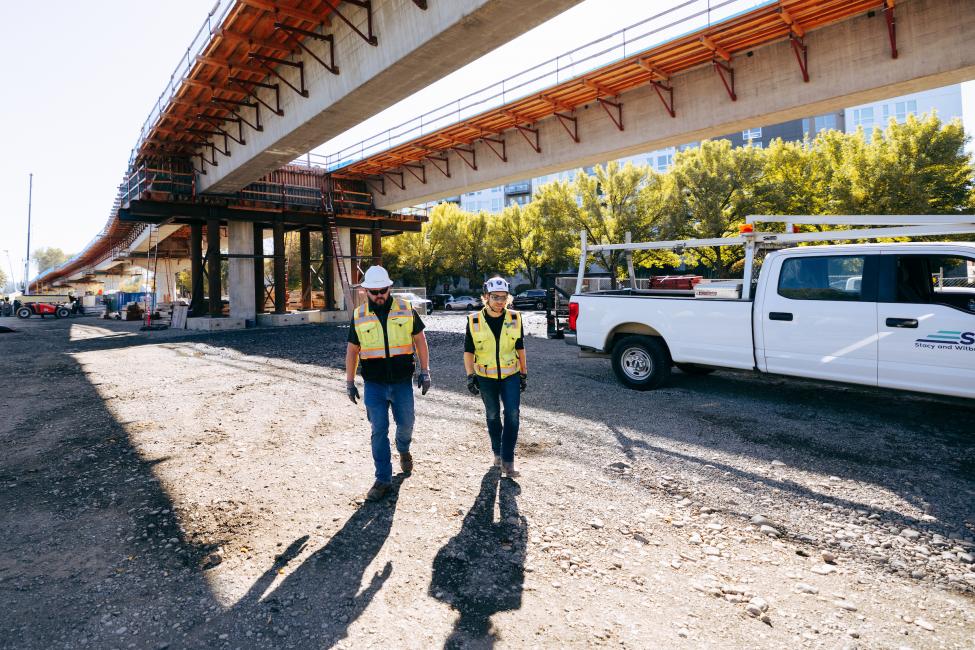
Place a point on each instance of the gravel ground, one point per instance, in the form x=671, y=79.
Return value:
x=173, y=490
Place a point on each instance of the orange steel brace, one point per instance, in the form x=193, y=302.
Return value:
x=422, y=176
x=503, y=154
x=605, y=103
x=537, y=146
x=721, y=69
x=891, y=27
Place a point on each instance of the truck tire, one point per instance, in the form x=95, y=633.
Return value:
x=641, y=362
x=23, y=312
x=694, y=369
x=62, y=312
x=539, y=305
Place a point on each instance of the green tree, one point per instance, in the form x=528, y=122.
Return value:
x=558, y=216
x=49, y=258
x=467, y=246
x=517, y=235
x=3, y=281
x=418, y=257
x=714, y=189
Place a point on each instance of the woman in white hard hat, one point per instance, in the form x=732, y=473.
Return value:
x=494, y=358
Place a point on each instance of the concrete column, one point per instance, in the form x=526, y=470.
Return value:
x=280, y=285
x=213, y=266
x=259, y=269
x=197, y=308
x=377, y=245
x=305, y=245
x=240, y=236
x=328, y=264
x=353, y=262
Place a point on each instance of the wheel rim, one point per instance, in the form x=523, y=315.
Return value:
x=636, y=364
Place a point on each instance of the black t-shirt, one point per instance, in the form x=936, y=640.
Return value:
x=495, y=323
x=389, y=370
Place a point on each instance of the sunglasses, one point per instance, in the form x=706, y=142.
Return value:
x=377, y=292
x=498, y=298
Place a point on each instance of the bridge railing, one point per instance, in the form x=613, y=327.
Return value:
x=213, y=20
x=681, y=19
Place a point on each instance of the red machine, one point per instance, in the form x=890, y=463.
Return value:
x=674, y=281
x=43, y=309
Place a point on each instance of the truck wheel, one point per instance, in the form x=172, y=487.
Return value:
x=694, y=369
x=641, y=362
x=62, y=312
x=539, y=305
x=23, y=312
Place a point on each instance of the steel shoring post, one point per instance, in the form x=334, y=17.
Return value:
x=377, y=244
x=259, y=294
x=280, y=299
x=213, y=267
x=300, y=65
x=328, y=263
x=305, y=248
x=196, y=268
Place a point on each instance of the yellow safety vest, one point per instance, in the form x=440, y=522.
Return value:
x=398, y=331
x=486, y=352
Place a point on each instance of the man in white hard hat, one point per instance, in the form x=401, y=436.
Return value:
x=384, y=335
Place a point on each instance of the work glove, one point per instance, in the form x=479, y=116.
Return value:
x=472, y=384
x=523, y=381
x=352, y=391
x=424, y=382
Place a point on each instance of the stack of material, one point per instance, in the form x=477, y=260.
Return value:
x=98, y=309
x=180, y=313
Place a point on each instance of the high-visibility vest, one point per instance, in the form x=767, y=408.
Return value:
x=487, y=355
x=398, y=331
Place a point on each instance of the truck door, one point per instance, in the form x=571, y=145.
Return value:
x=926, y=319
x=819, y=319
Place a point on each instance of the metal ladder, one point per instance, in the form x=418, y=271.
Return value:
x=338, y=256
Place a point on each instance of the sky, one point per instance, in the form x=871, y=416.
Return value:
x=82, y=77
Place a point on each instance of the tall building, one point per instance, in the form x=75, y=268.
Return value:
x=945, y=101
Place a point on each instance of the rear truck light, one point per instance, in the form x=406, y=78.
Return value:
x=573, y=315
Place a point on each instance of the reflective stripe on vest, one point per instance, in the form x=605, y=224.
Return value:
x=373, y=337
x=486, y=352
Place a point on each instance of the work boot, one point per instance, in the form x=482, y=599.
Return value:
x=378, y=491
x=497, y=460
x=406, y=462
x=509, y=470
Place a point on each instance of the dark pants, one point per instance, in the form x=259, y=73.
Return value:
x=494, y=393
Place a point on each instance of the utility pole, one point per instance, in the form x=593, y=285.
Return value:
x=30, y=192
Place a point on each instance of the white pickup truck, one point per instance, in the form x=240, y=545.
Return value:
x=896, y=315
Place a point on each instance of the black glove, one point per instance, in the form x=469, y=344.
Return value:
x=523, y=381
x=472, y=384
x=352, y=391
x=424, y=382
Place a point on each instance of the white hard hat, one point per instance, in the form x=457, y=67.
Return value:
x=376, y=278
x=496, y=284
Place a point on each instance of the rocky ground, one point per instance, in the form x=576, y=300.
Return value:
x=166, y=490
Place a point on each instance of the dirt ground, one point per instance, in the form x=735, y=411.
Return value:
x=166, y=490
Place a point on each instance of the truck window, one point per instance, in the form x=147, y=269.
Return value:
x=936, y=279
x=833, y=277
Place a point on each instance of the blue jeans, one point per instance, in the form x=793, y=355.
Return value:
x=378, y=398
x=494, y=393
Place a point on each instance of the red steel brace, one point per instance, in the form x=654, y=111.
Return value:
x=381, y=188
x=445, y=170
x=401, y=184
x=537, y=146
x=472, y=163
x=799, y=47
x=891, y=27
x=300, y=65
x=325, y=38
x=574, y=132
x=721, y=69
x=365, y=4
x=422, y=176
x=669, y=89
x=503, y=154
x=605, y=103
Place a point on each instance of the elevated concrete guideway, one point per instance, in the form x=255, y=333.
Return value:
x=849, y=63
x=415, y=48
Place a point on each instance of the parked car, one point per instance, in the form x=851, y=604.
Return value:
x=440, y=299
x=463, y=302
x=530, y=299
x=421, y=305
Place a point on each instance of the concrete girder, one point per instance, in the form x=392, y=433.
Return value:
x=415, y=49
x=852, y=62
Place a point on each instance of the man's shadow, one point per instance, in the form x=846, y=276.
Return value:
x=323, y=596
x=481, y=571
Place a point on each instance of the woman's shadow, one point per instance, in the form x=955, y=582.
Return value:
x=481, y=571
